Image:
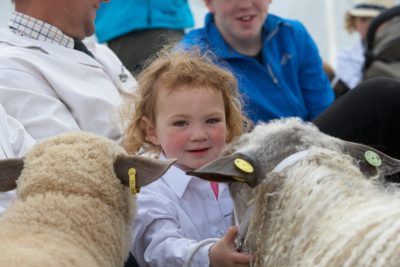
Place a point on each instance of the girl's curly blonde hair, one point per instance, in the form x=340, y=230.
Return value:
x=180, y=69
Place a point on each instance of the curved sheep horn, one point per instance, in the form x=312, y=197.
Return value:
x=146, y=169
x=369, y=165
x=10, y=170
x=233, y=168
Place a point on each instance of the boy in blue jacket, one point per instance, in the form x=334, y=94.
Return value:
x=275, y=60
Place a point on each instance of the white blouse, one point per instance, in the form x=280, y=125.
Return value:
x=175, y=213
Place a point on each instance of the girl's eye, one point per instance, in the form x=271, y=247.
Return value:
x=180, y=123
x=213, y=120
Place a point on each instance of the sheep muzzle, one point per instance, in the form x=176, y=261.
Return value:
x=10, y=170
x=232, y=168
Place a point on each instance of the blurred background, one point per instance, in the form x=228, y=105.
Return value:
x=323, y=19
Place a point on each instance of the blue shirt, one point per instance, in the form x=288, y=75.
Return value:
x=119, y=17
x=290, y=80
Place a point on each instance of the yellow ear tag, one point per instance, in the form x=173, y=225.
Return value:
x=244, y=166
x=132, y=181
x=239, y=179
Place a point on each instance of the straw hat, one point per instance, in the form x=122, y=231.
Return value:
x=370, y=8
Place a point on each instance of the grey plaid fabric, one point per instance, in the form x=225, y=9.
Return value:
x=39, y=30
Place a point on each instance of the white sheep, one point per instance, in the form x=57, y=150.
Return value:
x=73, y=205
x=315, y=200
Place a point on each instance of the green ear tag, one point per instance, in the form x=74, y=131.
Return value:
x=243, y=165
x=373, y=158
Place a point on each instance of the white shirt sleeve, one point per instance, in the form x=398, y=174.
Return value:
x=14, y=141
x=36, y=106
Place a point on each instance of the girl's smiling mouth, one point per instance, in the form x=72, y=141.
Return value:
x=198, y=151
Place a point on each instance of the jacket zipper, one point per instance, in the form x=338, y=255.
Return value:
x=271, y=73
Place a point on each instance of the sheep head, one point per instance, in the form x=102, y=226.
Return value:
x=251, y=159
x=79, y=158
x=79, y=186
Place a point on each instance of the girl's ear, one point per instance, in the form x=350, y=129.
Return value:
x=149, y=129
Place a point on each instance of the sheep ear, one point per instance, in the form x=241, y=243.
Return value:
x=371, y=160
x=142, y=169
x=232, y=168
x=10, y=170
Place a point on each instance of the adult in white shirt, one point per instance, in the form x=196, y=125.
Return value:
x=350, y=61
x=14, y=142
x=49, y=86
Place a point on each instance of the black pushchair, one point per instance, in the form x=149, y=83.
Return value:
x=382, y=54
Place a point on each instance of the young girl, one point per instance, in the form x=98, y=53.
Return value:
x=185, y=108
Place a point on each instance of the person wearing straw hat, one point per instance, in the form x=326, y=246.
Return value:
x=351, y=60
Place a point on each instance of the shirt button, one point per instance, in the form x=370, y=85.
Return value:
x=220, y=233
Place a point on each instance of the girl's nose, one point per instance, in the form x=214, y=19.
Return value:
x=198, y=134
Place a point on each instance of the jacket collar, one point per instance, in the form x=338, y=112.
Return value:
x=25, y=25
x=177, y=180
x=12, y=39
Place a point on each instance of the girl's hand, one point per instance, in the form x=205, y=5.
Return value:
x=224, y=254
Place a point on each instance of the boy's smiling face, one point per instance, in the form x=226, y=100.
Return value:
x=189, y=125
x=239, y=21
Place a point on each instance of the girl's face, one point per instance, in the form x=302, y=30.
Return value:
x=189, y=126
x=239, y=20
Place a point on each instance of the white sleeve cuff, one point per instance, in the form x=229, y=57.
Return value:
x=198, y=255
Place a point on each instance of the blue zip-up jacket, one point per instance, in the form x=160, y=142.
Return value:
x=290, y=82
x=119, y=17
